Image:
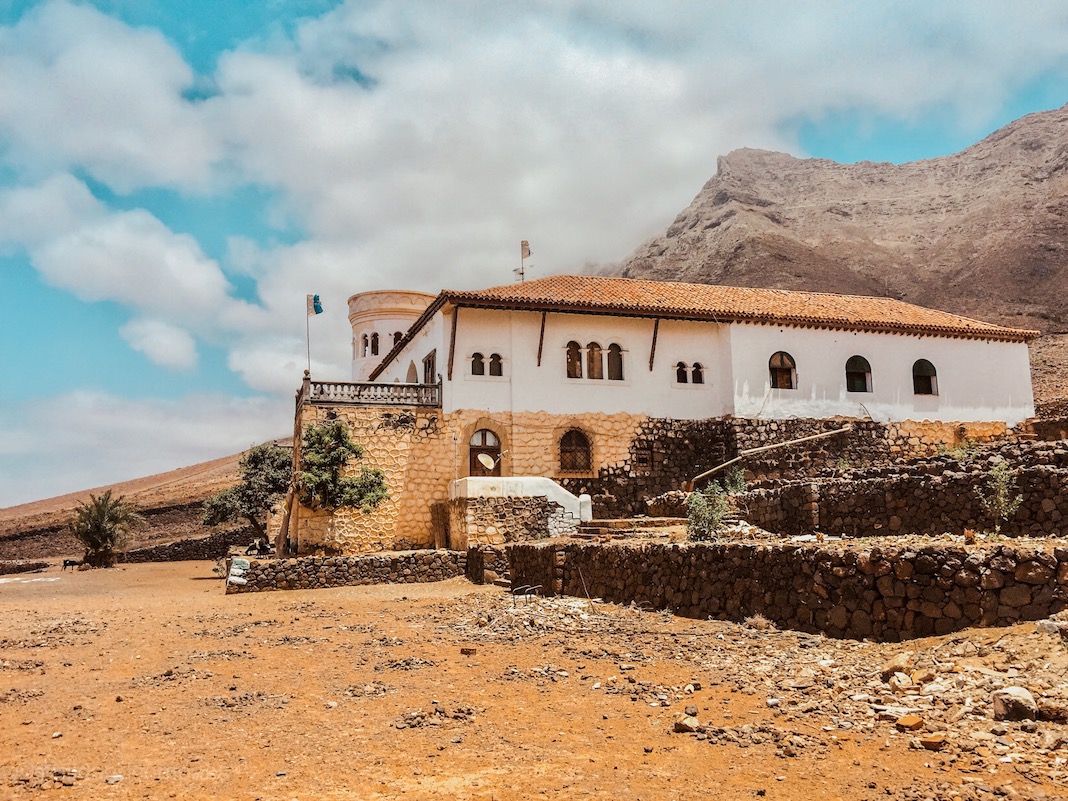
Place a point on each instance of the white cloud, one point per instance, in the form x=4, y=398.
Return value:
x=89, y=439
x=165, y=344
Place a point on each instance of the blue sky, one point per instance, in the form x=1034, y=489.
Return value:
x=176, y=176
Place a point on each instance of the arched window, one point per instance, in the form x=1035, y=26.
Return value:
x=783, y=371
x=698, y=373
x=495, y=364
x=574, y=360
x=681, y=373
x=575, y=453
x=397, y=337
x=924, y=378
x=478, y=365
x=486, y=444
x=615, y=362
x=858, y=374
x=594, y=361
x=374, y=344
x=363, y=344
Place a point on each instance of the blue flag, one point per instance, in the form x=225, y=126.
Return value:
x=314, y=306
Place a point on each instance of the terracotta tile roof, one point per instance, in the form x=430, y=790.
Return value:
x=630, y=297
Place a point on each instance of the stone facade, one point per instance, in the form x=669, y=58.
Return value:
x=494, y=521
x=319, y=572
x=890, y=593
x=634, y=459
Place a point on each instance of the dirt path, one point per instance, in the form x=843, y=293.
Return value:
x=147, y=682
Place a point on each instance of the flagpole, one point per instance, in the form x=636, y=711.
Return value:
x=307, y=338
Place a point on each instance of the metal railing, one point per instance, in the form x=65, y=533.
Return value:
x=367, y=394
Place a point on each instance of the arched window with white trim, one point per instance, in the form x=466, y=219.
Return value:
x=478, y=364
x=858, y=374
x=495, y=367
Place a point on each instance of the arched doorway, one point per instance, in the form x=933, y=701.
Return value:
x=485, y=442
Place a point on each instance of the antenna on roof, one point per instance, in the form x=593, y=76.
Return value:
x=524, y=254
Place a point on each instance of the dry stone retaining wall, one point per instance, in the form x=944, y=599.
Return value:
x=891, y=593
x=215, y=546
x=319, y=572
x=497, y=520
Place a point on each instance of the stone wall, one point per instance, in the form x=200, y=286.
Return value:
x=789, y=509
x=9, y=566
x=485, y=563
x=319, y=572
x=635, y=458
x=215, y=546
x=890, y=593
x=494, y=521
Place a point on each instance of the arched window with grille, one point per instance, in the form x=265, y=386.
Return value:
x=698, y=373
x=576, y=456
x=858, y=374
x=594, y=361
x=495, y=367
x=484, y=443
x=783, y=370
x=681, y=373
x=478, y=364
x=615, y=362
x=574, y=360
x=924, y=378
x=374, y=344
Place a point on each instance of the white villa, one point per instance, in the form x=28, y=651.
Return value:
x=624, y=389
x=579, y=344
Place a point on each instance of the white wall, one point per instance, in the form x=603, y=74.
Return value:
x=527, y=387
x=978, y=380
x=429, y=338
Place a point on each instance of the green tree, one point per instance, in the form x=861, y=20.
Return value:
x=1000, y=499
x=266, y=471
x=102, y=525
x=325, y=453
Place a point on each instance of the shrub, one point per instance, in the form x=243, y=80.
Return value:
x=1000, y=499
x=325, y=453
x=705, y=512
x=102, y=525
x=734, y=481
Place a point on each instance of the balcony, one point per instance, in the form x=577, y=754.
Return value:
x=362, y=394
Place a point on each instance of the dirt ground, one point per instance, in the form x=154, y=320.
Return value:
x=146, y=681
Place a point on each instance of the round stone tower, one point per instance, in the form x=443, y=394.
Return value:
x=379, y=319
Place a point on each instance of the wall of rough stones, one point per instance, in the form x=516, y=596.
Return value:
x=8, y=566
x=635, y=458
x=319, y=572
x=214, y=546
x=788, y=509
x=494, y=521
x=891, y=593
x=486, y=563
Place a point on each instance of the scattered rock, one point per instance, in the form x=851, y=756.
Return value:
x=1014, y=703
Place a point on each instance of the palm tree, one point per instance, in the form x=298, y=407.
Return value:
x=102, y=525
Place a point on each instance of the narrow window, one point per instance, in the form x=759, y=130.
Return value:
x=858, y=374
x=374, y=344
x=430, y=369
x=574, y=360
x=783, y=371
x=924, y=378
x=698, y=373
x=478, y=365
x=680, y=373
x=397, y=337
x=495, y=364
x=594, y=362
x=615, y=362
x=575, y=454
x=363, y=343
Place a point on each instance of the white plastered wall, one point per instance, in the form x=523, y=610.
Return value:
x=978, y=380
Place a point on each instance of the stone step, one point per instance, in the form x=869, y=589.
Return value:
x=503, y=582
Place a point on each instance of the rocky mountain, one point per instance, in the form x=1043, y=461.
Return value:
x=983, y=232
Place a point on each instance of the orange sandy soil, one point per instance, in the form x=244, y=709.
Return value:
x=290, y=695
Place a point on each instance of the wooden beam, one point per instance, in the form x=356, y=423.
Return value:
x=452, y=339
x=652, y=348
x=541, y=336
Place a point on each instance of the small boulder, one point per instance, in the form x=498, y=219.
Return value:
x=1014, y=703
x=688, y=724
x=899, y=664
